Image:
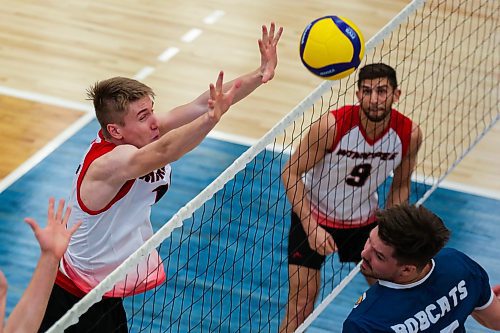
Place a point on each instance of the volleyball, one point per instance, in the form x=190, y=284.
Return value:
x=331, y=47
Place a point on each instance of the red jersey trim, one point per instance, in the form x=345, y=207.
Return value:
x=99, y=147
x=403, y=126
x=347, y=117
x=326, y=221
x=68, y=285
x=65, y=282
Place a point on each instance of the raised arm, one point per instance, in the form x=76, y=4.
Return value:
x=126, y=161
x=186, y=113
x=53, y=241
x=400, y=188
x=310, y=151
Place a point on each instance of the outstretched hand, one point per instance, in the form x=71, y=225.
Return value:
x=268, y=51
x=220, y=101
x=54, y=238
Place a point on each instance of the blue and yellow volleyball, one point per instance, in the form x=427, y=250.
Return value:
x=332, y=47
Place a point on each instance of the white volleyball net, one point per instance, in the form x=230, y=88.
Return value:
x=225, y=252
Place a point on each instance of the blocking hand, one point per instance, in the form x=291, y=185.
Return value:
x=220, y=101
x=268, y=51
x=54, y=238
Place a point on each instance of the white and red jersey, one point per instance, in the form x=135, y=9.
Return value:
x=342, y=187
x=109, y=236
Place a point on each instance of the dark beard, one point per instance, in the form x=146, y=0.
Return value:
x=376, y=119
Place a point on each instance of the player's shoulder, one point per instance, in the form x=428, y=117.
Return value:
x=450, y=260
x=449, y=253
x=345, y=118
x=399, y=120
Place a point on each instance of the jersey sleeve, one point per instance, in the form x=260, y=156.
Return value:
x=485, y=294
x=480, y=281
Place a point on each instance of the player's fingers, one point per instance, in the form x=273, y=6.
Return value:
x=211, y=87
x=66, y=216
x=220, y=79
x=320, y=249
x=265, y=35
x=229, y=95
x=32, y=223
x=75, y=227
x=60, y=208
x=278, y=36
x=332, y=245
x=327, y=250
x=262, y=48
x=271, y=31
x=50, y=212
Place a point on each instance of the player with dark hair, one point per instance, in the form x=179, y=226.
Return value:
x=124, y=172
x=332, y=179
x=421, y=286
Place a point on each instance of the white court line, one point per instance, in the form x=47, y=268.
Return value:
x=458, y=187
x=455, y=186
x=245, y=141
x=168, y=54
x=232, y=138
x=44, y=99
x=144, y=73
x=31, y=162
x=191, y=35
x=214, y=17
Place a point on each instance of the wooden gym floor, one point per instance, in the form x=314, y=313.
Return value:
x=51, y=54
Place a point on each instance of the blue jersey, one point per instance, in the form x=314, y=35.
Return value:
x=440, y=302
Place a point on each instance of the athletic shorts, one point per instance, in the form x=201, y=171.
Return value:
x=350, y=243
x=107, y=315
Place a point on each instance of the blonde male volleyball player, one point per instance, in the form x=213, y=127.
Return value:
x=332, y=178
x=124, y=172
x=53, y=240
x=421, y=286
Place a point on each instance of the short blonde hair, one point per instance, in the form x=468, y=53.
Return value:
x=112, y=97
